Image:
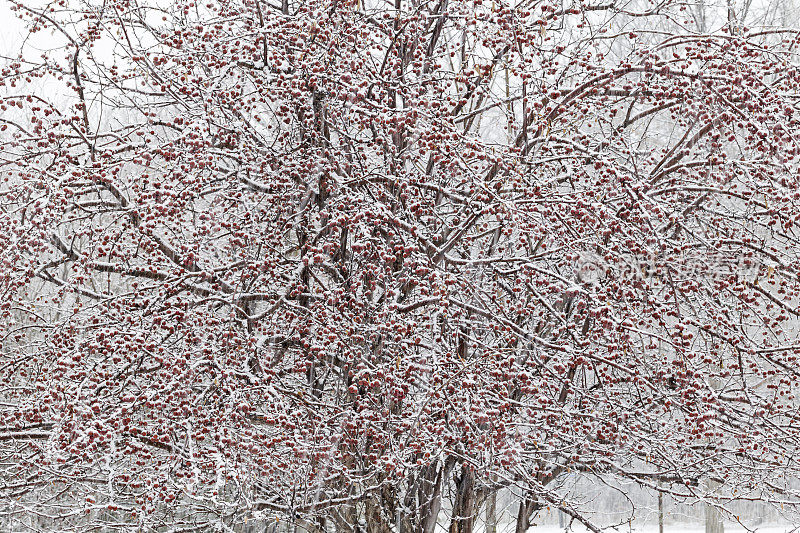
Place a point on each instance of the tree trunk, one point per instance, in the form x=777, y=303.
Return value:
x=463, y=520
x=526, y=509
x=430, y=495
x=491, y=512
x=379, y=511
x=714, y=520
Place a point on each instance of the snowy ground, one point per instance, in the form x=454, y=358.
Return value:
x=652, y=528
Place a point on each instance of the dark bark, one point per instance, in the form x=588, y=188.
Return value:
x=463, y=519
x=527, y=507
x=491, y=512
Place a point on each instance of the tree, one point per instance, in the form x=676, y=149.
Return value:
x=358, y=265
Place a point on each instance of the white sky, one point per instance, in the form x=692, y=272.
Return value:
x=10, y=28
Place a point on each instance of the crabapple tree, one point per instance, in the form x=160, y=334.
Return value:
x=358, y=264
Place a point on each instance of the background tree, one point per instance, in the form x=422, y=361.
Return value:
x=359, y=265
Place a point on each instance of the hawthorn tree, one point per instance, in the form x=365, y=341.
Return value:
x=358, y=265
